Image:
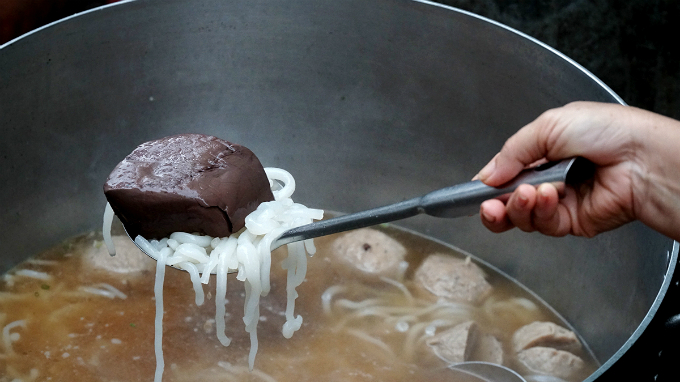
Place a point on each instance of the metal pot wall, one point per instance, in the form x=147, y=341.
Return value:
x=365, y=102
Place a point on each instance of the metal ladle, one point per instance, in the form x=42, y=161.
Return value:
x=460, y=200
x=450, y=202
x=486, y=372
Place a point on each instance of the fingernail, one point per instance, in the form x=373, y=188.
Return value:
x=523, y=200
x=487, y=170
x=488, y=217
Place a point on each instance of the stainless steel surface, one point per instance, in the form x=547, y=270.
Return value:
x=365, y=102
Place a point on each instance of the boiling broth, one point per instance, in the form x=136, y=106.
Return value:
x=69, y=333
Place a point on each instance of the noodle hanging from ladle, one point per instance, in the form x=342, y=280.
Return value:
x=247, y=252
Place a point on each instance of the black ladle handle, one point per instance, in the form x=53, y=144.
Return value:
x=464, y=199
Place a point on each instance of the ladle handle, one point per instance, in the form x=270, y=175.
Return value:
x=464, y=199
x=455, y=201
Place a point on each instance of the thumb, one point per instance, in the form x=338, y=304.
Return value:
x=525, y=147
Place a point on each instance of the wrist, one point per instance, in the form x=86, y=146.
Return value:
x=656, y=173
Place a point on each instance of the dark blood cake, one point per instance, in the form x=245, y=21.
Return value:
x=187, y=183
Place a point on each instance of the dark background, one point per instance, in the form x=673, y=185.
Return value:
x=630, y=45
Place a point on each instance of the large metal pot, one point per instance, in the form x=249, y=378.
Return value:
x=365, y=102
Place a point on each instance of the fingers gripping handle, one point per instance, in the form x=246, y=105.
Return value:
x=464, y=199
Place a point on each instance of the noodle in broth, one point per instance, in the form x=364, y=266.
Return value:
x=247, y=252
x=85, y=317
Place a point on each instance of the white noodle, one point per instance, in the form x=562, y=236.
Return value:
x=399, y=285
x=8, y=338
x=373, y=340
x=106, y=229
x=525, y=303
x=104, y=289
x=183, y=237
x=252, y=329
x=158, y=292
x=112, y=289
x=296, y=264
x=8, y=279
x=410, y=340
x=327, y=297
x=42, y=262
x=431, y=329
x=247, y=251
x=357, y=304
x=33, y=274
x=97, y=291
x=12, y=296
x=195, y=279
x=172, y=243
x=378, y=311
x=225, y=248
x=282, y=175
x=220, y=300
x=418, y=319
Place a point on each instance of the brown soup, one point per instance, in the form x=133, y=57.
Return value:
x=356, y=327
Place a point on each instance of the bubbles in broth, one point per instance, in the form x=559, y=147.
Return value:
x=75, y=313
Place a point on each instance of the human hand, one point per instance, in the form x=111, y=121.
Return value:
x=637, y=175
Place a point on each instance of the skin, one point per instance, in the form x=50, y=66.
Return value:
x=637, y=154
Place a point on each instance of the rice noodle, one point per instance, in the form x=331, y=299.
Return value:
x=344, y=303
x=220, y=300
x=363, y=336
x=106, y=229
x=195, y=279
x=33, y=375
x=248, y=252
x=416, y=319
x=105, y=290
x=8, y=279
x=431, y=329
x=42, y=262
x=33, y=274
x=399, y=285
x=8, y=338
x=514, y=308
x=327, y=296
x=158, y=292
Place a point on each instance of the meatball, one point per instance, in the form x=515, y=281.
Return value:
x=545, y=360
x=455, y=345
x=488, y=349
x=452, y=278
x=466, y=342
x=370, y=251
x=546, y=334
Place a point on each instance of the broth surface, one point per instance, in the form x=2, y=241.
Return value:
x=69, y=333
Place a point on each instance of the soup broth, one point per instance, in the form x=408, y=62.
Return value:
x=75, y=313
